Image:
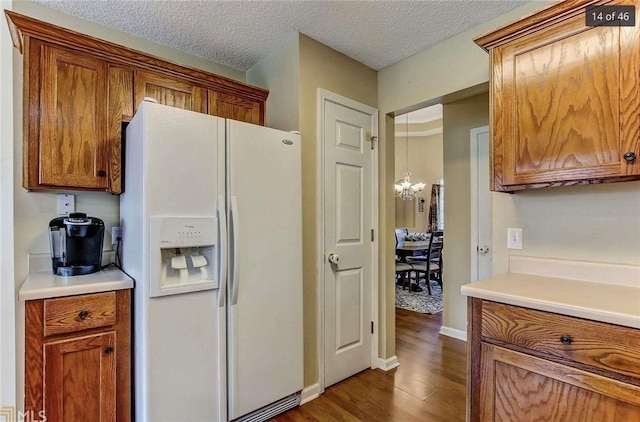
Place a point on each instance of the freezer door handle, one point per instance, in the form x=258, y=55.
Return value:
x=222, y=251
x=235, y=235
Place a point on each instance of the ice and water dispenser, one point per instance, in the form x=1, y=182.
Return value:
x=182, y=255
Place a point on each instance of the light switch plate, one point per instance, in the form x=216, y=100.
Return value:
x=514, y=238
x=66, y=203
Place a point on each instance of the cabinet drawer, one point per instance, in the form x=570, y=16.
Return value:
x=76, y=313
x=601, y=345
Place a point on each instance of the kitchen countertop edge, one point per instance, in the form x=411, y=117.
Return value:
x=45, y=285
x=562, y=296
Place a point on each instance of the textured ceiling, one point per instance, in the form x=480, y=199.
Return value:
x=239, y=33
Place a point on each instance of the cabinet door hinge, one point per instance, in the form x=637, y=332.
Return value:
x=371, y=327
x=372, y=235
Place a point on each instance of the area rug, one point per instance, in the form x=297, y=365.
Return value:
x=420, y=301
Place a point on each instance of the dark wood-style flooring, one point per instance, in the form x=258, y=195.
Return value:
x=429, y=385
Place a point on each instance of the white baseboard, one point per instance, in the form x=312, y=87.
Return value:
x=452, y=332
x=309, y=393
x=388, y=364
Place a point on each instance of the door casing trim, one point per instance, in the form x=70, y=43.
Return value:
x=473, y=161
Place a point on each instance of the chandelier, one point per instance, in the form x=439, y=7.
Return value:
x=404, y=188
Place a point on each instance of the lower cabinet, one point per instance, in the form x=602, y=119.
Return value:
x=77, y=357
x=76, y=369
x=528, y=365
x=520, y=387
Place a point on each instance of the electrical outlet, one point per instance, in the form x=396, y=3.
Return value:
x=115, y=235
x=514, y=238
x=66, y=203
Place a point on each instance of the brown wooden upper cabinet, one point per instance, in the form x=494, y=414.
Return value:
x=565, y=100
x=79, y=90
x=170, y=91
x=236, y=108
x=66, y=143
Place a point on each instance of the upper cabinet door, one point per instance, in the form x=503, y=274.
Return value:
x=233, y=107
x=169, y=91
x=72, y=131
x=565, y=103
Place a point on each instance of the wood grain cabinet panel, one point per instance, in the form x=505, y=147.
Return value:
x=519, y=387
x=80, y=378
x=565, y=100
x=77, y=366
x=603, y=346
x=236, y=108
x=72, y=139
x=169, y=91
x=76, y=313
x=521, y=370
x=120, y=109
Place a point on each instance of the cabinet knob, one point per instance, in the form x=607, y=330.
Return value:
x=83, y=314
x=565, y=339
x=102, y=173
x=108, y=350
x=629, y=156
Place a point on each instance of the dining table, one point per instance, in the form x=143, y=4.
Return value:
x=403, y=251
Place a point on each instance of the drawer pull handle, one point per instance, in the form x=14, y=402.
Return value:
x=83, y=314
x=565, y=339
x=629, y=156
x=108, y=350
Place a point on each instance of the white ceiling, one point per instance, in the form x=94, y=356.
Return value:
x=423, y=115
x=239, y=33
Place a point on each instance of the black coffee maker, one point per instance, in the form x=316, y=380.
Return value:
x=76, y=244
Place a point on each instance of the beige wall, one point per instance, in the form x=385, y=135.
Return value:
x=8, y=385
x=421, y=80
x=279, y=72
x=586, y=223
x=426, y=166
x=321, y=67
x=565, y=223
x=459, y=118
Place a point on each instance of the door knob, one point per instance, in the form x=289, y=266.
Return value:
x=333, y=258
x=629, y=156
x=483, y=249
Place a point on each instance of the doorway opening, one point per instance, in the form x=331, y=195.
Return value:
x=461, y=111
x=419, y=204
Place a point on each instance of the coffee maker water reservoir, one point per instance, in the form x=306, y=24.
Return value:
x=76, y=244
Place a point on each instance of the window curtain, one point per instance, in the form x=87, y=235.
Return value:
x=436, y=211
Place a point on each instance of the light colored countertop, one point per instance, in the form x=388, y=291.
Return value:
x=41, y=283
x=568, y=288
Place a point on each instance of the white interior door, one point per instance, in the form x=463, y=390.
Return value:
x=481, y=247
x=348, y=223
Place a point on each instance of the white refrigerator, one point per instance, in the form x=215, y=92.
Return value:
x=212, y=233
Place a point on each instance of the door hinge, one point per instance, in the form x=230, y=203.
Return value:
x=371, y=327
x=372, y=235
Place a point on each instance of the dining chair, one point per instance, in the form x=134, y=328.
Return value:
x=431, y=268
x=401, y=234
x=403, y=271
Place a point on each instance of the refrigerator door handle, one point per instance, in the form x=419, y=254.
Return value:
x=222, y=251
x=235, y=227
